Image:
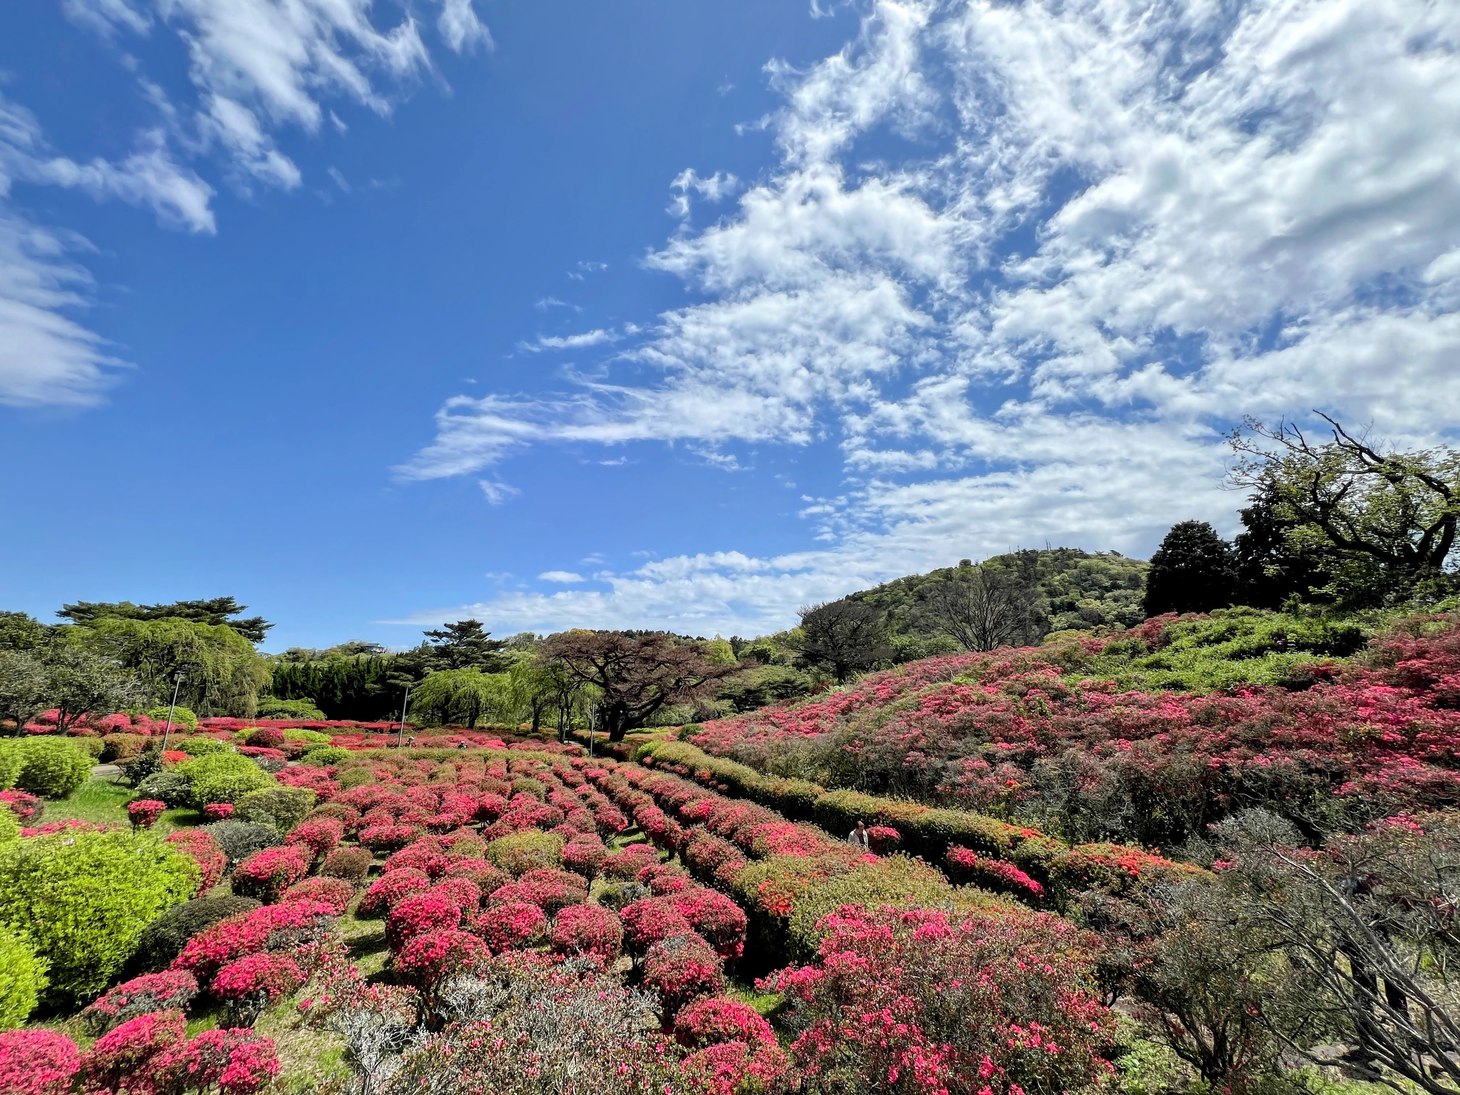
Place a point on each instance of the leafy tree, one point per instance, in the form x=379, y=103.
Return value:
x=350, y=681
x=464, y=644
x=22, y=687
x=1192, y=571
x=463, y=695
x=221, y=672
x=80, y=681
x=636, y=674
x=845, y=636
x=215, y=611
x=21, y=632
x=982, y=607
x=1273, y=566
x=1390, y=515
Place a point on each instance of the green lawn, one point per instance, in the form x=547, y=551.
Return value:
x=105, y=802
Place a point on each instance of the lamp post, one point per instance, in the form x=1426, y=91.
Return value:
x=167, y=730
x=401, y=737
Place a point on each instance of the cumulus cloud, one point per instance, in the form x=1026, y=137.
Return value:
x=1024, y=265
x=561, y=577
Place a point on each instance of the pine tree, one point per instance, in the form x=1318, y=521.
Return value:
x=1194, y=570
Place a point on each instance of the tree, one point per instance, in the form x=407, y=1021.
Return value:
x=1271, y=566
x=19, y=631
x=1192, y=571
x=22, y=687
x=463, y=645
x=637, y=674
x=463, y=695
x=80, y=682
x=845, y=636
x=215, y=611
x=980, y=608
x=1396, y=514
x=221, y=672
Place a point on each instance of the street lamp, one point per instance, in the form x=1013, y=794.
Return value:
x=401, y=737
x=167, y=730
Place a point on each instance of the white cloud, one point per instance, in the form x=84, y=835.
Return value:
x=546, y=304
x=561, y=577
x=582, y=341
x=497, y=492
x=47, y=358
x=715, y=188
x=1025, y=264
x=460, y=26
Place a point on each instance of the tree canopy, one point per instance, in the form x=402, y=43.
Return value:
x=213, y=611
x=1194, y=570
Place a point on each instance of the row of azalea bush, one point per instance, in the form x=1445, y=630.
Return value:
x=505, y=894
x=1020, y=734
x=972, y=847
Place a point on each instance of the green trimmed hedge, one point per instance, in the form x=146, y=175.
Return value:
x=223, y=777
x=52, y=767
x=22, y=978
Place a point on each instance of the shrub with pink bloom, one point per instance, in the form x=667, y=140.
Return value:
x=267, y=874
x=721, y=1019
x=387, y=837
x=463, y=891
x=320, y=835
x=965, y=865
x=428, y=959
x=203, y=850
x=169, y=990
x=588, y=929
x=218, y=811
x=487, y=876
x=249, y=984
x=390, y=888
x=546, y=887
x=650, y=921
x=681, y=969
x=418, y=913
x=734, y=1068
x=584, y=857
x=334, y=892
x=714, y=916
x=234, y=1062
x=287, y=927
x=629, y=861
x=124, y=1055
x=511, y=925
x=26, y=807
x=37, y=1062
x=144, y=812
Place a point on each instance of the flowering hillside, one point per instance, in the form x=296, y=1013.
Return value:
x=1025, y=734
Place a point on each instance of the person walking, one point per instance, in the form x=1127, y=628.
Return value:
x=858, y=836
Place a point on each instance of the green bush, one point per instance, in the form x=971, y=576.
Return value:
x=323, y=756
x=52, y=767
x=303, y=710
x=9, y=826
x=356, y=777
x=281, y=807
x=311, y=737
x=169, y=787
x=223, y=777
x=163, y=939
x=240, y=839
x=146, y=763
x=181, y=716
x=9, y=764
x=84, y=898
x=22, y=978
x=122, y=746
x=518, y=853
x=92, y=746
x=202, y=746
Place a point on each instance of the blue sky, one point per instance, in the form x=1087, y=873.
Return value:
x=684, y=315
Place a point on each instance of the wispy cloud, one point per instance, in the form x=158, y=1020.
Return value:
x=1105, y=233
x=497, y=492
x=715, y=188
x=584, y=340
x=561, y=577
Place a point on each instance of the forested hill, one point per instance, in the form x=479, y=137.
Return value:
x=1044, y=590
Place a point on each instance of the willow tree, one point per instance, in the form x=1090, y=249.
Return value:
x=463, y=696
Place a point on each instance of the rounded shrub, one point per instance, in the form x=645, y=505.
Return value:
x=324, y=756
x=9, y=826
x=22, y=977
x=518, y=853
x=37, y=1062
x=223, y=777
x=349, y=864
x=202, y=746
x=52, y=767
x=163, y=939
x=241, y=839
x=89, y=744
x=181, y=716
x=84, y=899
x=309, y=737
x=121, y=746
x=169, y=787
x=281, y=807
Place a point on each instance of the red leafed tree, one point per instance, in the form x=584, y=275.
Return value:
x=636, y=674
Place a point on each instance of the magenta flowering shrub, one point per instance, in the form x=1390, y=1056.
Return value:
x=232, y=1062
x=390, y=888
x=965, y=865
x=681, y=969
x=387, y=837
x=287, y=927
x=267, y=874
x=26, y=807
x=418, y=913
x=463, y=891
x=486, y=876
x=334, y=892
x=144, y=812
x=714, y=916
x=918, y=1001
x=37, y=1062
x=511, y=925
x=548, y=888
x=428, y=959
x=122, y=1058
x=218, y=811
x=650, y=921
x=321, y=835
x=629, y=861
x=585, y=857
x=203, y=850
x=171, y=990
x=249, y=984
x=588, y=930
